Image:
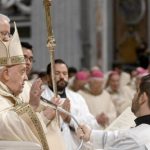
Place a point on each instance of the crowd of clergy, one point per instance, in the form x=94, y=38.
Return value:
x=29, y=109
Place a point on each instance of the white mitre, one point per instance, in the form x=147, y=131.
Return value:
x=11, y=51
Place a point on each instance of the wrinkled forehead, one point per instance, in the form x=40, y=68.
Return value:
x=17, y=67
x=96, y=80
x=4, y=25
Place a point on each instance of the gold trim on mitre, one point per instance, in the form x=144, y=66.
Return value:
x=11, y=51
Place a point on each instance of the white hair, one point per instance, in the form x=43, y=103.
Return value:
x=1, y=67
x=1, y=70
x=4, y=17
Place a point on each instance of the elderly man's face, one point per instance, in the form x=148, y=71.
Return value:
x=15, y=77
x=4, y=31
x=96, y=85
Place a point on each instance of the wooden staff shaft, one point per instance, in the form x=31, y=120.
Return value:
x=51, y=44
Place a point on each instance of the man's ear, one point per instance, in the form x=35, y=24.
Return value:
x=5, y=74
x=143, y=98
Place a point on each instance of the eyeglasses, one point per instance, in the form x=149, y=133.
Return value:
x=4, y=34
x=31, y=60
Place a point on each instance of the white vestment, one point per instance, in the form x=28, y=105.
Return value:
x=52, y=131
x=137, y=138
x=25, y=95
x=101, y=103
x=124, y=121
x=80, y=111
x=12, y=126
x=19, y=145
x=121, y=98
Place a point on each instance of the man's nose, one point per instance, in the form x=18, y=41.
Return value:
x=25, y=77
x=6, y=39
x=62, y=76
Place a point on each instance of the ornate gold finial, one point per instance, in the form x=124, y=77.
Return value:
x=48, y=3
x=51, y=43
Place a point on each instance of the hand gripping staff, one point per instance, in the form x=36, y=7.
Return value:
x=51, y=44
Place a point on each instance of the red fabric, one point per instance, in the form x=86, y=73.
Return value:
x=82, y=75
x=97, y=74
